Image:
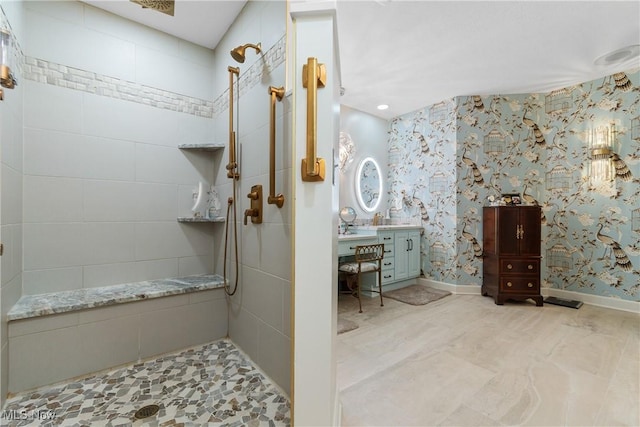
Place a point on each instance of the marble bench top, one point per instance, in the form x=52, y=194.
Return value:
x=80, y=299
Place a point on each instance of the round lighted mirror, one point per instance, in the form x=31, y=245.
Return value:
x=368, y=184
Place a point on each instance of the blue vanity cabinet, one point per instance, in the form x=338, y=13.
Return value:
x=401, y=254
x=401, y=261
x=407, y=254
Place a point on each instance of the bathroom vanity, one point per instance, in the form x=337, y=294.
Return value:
x=401, y=262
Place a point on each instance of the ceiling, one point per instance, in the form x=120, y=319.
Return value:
x=410, y=54
x=203, y=22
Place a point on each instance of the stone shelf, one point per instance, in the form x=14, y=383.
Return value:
x=202, y=147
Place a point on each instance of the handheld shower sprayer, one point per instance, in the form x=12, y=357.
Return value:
x=238, y=52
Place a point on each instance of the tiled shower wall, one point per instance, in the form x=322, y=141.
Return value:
x=103, y=178
x=11, y=181
x=259, y=313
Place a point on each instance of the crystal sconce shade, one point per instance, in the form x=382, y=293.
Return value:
x=601, y=143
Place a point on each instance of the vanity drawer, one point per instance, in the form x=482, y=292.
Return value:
x=389, y=251
x=388, y=276
x=388, y=264
x=348, y=247
x=385, y=237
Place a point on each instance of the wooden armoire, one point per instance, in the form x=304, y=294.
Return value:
x=511, y=253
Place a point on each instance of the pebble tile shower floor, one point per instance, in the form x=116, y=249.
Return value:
x=214, y=384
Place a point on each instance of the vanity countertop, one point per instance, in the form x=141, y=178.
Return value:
x=360, y=235
x=388, y=227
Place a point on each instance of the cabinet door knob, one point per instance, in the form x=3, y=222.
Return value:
x=509, y=266
x=530, y=285
x=509, y=284
x=530, y=267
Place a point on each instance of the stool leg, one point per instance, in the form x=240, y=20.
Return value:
x=359, y=300
x=380, y=286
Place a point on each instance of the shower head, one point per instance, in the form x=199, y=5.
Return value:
x=238, y=52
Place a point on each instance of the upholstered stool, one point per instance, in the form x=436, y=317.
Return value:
x=368, y=259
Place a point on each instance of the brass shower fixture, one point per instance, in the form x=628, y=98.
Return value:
x=238, y=52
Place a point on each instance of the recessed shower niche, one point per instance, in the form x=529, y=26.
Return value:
x=206, y=147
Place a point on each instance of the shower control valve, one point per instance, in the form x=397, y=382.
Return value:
x=250, y=213
x=255, y=212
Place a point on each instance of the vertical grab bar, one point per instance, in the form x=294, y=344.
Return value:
x=276, y=93
x=233, y=165
x=314, y=76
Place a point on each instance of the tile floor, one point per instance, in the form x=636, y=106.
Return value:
x=214, y=384
x=464, y=361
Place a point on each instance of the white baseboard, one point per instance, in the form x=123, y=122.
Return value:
x=454, y=289
x=337, y=410
x=600, y=301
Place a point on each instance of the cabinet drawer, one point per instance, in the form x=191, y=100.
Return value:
x=388, y=276
x=520, y=284
x=387, y=263
x=522, y=266
x=348, y=247
x=389, y=251
x=385, y=237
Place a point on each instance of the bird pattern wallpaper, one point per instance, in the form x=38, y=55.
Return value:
x=447, y=160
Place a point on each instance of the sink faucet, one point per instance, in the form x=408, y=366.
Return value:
x=376, y=218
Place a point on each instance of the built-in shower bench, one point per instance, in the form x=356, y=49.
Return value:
x=82, y=299
x=57, y=336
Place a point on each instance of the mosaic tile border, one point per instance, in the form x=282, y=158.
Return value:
x=212, y=384
x=48, y=72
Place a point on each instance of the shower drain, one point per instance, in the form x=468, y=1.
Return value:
x=147, y=411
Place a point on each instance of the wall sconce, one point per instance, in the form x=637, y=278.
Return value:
x=7, y=79
x=602, y=147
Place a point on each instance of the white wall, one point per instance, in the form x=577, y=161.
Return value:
x=369, y=135
x=259, y=317
x=315, y=396
x=11, y=181
x=104, y=181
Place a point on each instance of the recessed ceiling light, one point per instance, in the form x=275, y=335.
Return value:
x=383, y=107
x=619, y=56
